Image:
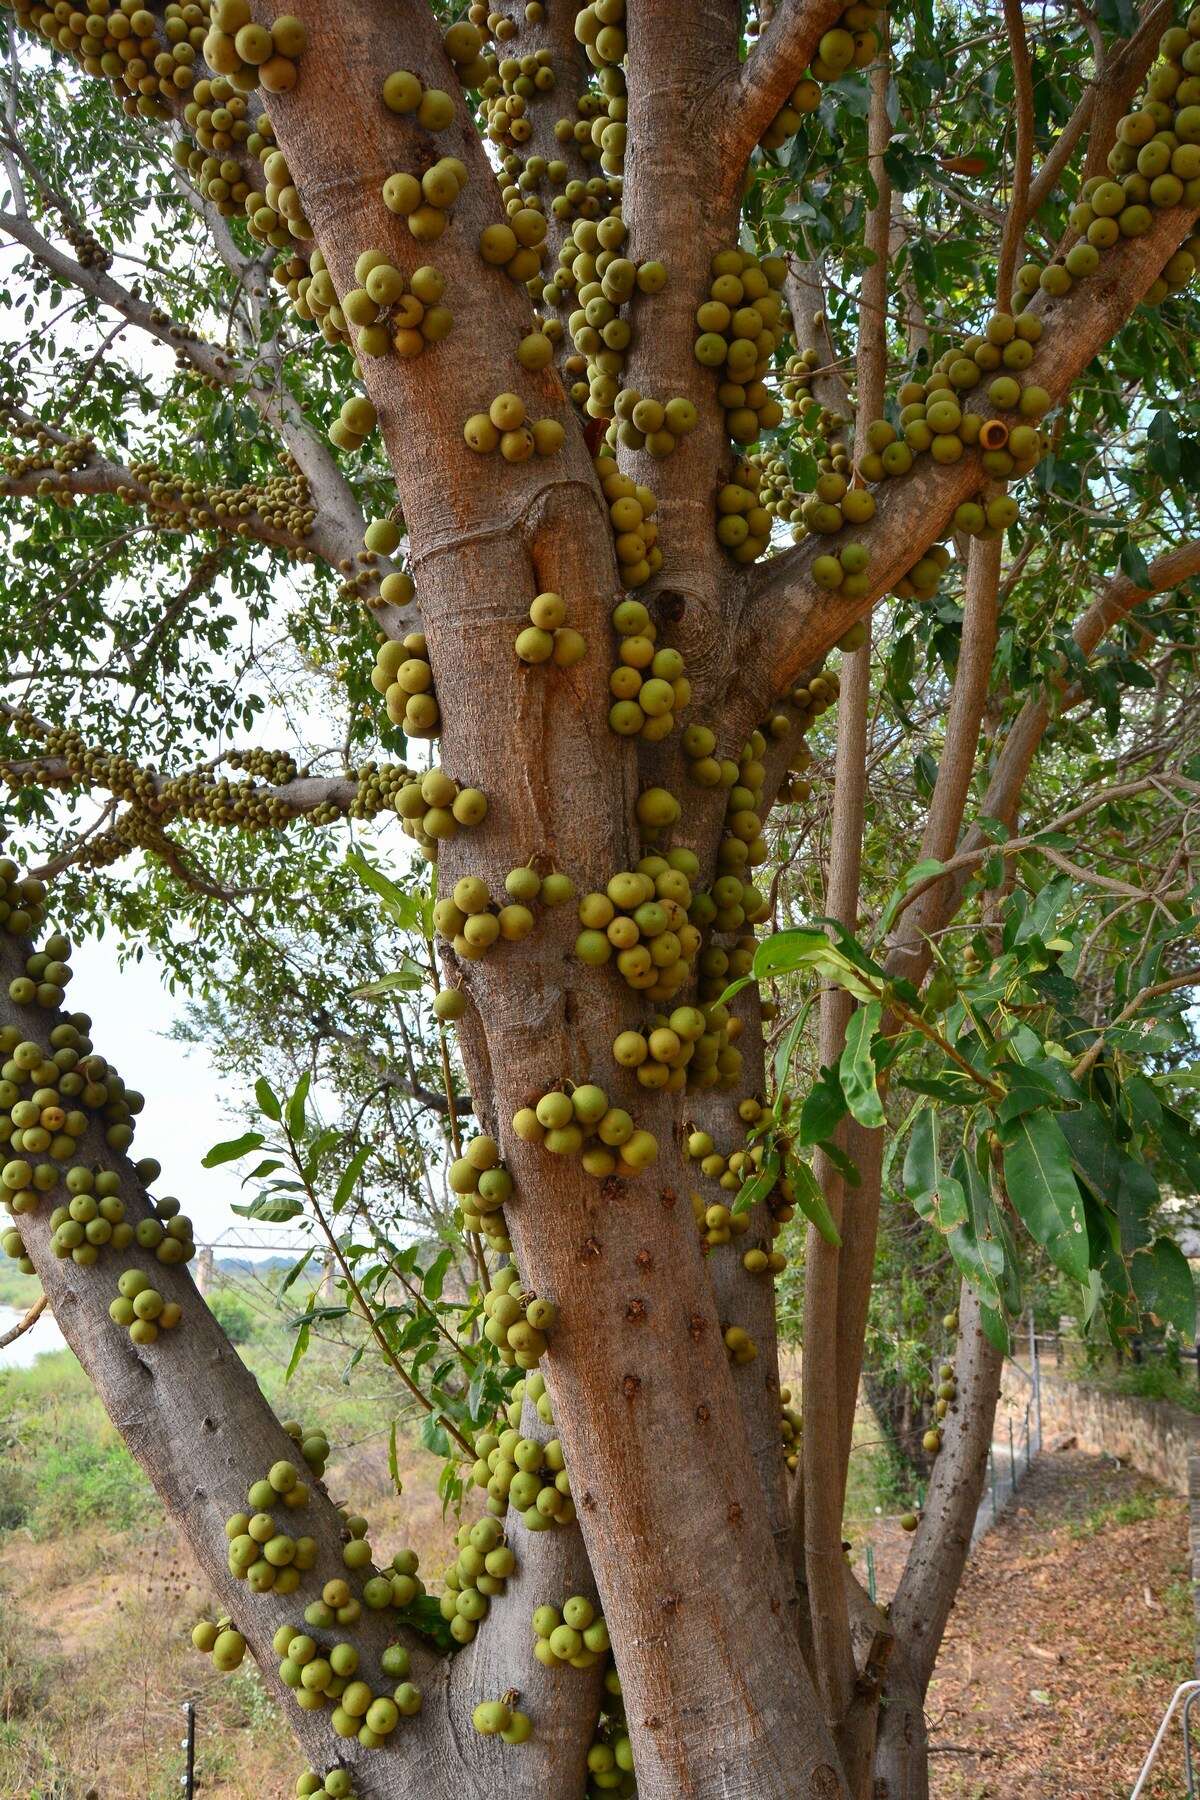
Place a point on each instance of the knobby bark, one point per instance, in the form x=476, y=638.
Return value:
x=673, y=1455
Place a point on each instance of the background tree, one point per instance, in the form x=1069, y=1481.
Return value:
x=305, y=213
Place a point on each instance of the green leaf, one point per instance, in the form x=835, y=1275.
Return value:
x=856, y=1068
x=271, y=1209
x=393, y=1460
x=957, y=1089
x=938, y=1199
x=805, y=947
x=1124, y=1182
x=756, y=1187
x=1042, y=1187
x=824, y=1107
x=785, y=951
x=845, y=1164
x=1162, y=1281
x=786, y=1047
x=267, y=1100
x=297, y=1120
x=980, y=1261
x=297, y=1269
x=811, y=1200
x=232, y=1148
x=299, y=1349
x=919, y=872
x=1181, y=1146
x=403, y=909
x=434, y=1436
x=995, y=1329
x=434, y=1278
x=1046, y=906
x=945, y=1206
x=350, y=1175
x=408, y=978
x=921, y=1158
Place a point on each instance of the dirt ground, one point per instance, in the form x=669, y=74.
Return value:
x=1072, y=1630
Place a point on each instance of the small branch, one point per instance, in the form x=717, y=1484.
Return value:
x=408, y=1086
x=1189, y=978
x=1018, y=206
x=368, y=1316
x=23, y=1325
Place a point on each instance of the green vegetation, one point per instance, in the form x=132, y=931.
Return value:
x=241, y=1322
x=1157, y=1378
x=1140, y=1505
x=17, y=1290
x=64, y=1466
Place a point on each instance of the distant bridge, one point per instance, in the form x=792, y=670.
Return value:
x=263, y=1241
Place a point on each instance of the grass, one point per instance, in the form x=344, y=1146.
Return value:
x=1140, y=1505
x=98, y=1596
x=64, y=1466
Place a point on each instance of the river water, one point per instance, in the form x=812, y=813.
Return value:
x=33, y=1343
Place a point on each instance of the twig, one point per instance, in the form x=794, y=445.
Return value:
x=1018, y=206
x=23, y=1325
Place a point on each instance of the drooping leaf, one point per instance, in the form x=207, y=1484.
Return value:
x=811, y=1200
x=299, y=1349
x=350, y=1175
x=435, y=1275
x=823, y=1109
x=756, y=1187
x=856, y=1069
x=1041, y=1185
x=268, y=1101
x=995, y=1329
x=297, y=1118
x=271, y=1209
x=1162, y=1281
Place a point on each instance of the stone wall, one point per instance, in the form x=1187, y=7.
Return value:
x=1151, y=1435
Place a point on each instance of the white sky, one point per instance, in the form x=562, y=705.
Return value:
x=133, y=1008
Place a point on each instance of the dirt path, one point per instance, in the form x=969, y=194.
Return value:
x=1071, y=1631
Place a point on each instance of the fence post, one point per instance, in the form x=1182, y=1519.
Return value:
x=1194, y=1540
x=187, y=1780
x=1035, y=1369
x=992, y=1477
x=1012, y=1459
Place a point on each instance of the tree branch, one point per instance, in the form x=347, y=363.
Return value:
x=771, y=71
x=101, y=476
x=939, y=1550
x=23, y=1324
x=408, y=1085
x=909, y=954
x=1018, y=205
x=824, y=1467
x=195, y=1419
x=788, y=622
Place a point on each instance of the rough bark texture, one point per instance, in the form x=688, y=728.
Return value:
x=674, y=1456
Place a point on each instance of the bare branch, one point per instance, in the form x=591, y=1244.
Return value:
x=23, y=1324
x=823, y=1462
x=927, y=1588
x=1018, y=206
